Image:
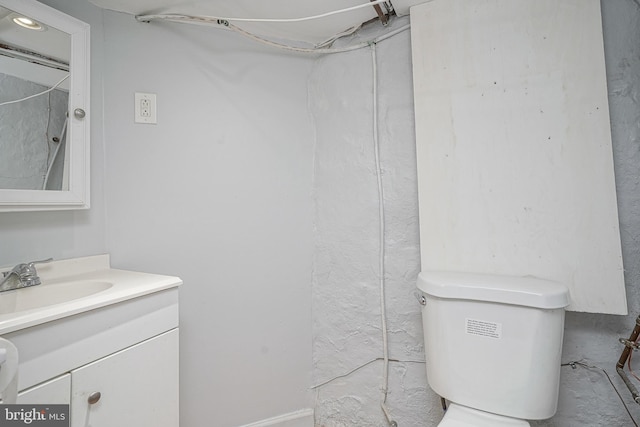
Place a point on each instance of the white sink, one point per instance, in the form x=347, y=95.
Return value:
x=44, y=295
x=75, y=286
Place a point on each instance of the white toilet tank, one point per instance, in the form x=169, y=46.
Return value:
x=494, y=343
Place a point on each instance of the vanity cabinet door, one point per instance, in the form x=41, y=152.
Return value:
x=54, y=391
x=134, y=387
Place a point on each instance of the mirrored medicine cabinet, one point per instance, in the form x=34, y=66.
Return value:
x=44, y=108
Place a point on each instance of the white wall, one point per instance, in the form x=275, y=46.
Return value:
x=586, y=397
x=240, y=235
x=345, y=291
x=218, y=193
x=26, y=236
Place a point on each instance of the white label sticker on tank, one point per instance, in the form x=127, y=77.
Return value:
x=484, y=328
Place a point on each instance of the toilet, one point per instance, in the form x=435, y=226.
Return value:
x=493, y=346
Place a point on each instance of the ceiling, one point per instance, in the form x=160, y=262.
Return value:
x=23, y=52
x=310, y=31
x=55, y=44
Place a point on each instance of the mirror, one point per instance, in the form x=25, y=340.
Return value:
x=44, y=108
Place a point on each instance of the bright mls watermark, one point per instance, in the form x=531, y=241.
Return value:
x=34, y=415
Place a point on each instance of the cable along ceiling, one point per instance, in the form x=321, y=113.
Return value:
x=310, y=23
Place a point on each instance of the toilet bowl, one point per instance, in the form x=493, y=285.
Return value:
x=493, y=345
x=461, y=416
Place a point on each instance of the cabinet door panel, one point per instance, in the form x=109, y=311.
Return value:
x=55, y=391
x=138, y=386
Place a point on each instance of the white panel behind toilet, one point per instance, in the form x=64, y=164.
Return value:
x=513, y=141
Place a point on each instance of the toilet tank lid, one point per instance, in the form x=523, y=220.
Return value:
x=518, y=290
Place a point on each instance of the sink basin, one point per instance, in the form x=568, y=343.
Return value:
x=49, y=294
x=74, y=286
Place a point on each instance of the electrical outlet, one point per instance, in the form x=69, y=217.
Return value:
x=145, y=108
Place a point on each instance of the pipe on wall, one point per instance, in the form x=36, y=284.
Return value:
x=629, y=345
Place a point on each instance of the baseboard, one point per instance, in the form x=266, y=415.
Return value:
x=301, y=418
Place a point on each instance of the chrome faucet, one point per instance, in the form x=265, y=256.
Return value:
x=21, y=276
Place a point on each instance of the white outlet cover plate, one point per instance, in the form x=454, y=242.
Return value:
x=142, y=116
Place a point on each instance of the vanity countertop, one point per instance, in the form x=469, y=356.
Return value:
x=75, y=286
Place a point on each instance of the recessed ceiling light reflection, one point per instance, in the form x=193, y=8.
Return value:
x=29, y=23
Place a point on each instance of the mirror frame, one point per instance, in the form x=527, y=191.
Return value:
x=78, y=132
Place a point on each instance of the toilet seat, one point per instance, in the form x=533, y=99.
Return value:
x=461, y=416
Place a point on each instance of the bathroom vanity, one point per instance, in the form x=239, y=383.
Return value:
x=106, y=342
